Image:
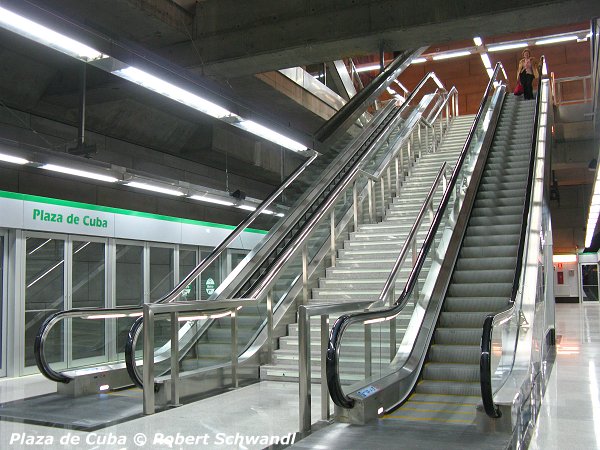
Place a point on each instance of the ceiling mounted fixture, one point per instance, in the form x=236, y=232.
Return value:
x=270, y=135
x=556, y=40
x=154, y=188
x=451, y=55
x=204, y=198
x=45, y=36
x=69, y=46
x=173, y=92
x=13, y=159
x=503, y=47
x=80, y=173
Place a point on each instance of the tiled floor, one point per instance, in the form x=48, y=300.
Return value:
x=260, y=411
x=570, y=413
x=569, y=418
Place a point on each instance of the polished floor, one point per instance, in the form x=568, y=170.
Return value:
x=246, y=418
x=570, y=413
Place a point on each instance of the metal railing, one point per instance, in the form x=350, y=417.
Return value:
x=307, y=311
x=177, y=311
x=263, y=289
x=572, y=90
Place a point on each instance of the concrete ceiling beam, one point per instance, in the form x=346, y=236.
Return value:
x=234, y=40
x=151, y=22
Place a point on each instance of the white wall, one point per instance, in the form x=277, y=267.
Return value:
x=570, y=286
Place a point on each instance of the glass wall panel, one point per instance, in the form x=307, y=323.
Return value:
x=44, y=294
x=236, y=257
x=129, y=284
x=210, y=278
x=187, y=262
x=589, y=282
x=161, y=272
x=88, y=338
x=2, y=344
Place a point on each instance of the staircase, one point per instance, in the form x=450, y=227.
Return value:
x=482, y=280
x=365, y=261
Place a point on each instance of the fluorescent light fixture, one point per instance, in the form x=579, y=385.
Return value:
x=503, y=47
x=490, y=72
x=564, y=258
x=173, y=92
x=153, y=188
x=280, y=215
x=418, y=60
x=45, y=36
x=451, y=55
x=80, y=173
x=369, y=68
x=140, y=314
x=270, y=135
x=12, y=159
x=477, y=40
x=486, y=60
x=206, y=199
x=380, y=410
x=247, y=208
x=104, y=387
x=268, y=212
x=556, y=40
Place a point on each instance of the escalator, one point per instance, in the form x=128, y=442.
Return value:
x=483, y=277
x=273, y=266
x=477, y=356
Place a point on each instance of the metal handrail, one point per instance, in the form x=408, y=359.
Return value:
x=343, y=322
x=408, y=243
x=175, y=311
x=304, y=233
x=176, y=291
x=492, y=320
x=307, y=311
x=361, y=101
x=325, y=206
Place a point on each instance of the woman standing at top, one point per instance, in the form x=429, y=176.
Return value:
x=528, y=70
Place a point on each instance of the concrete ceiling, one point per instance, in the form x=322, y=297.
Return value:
x=229, y=41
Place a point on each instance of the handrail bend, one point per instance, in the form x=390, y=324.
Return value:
x=343, y=322
x=495, y=320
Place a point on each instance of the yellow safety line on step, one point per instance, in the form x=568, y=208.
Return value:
x=404, y=408
x=441, y=403
x=423, y=419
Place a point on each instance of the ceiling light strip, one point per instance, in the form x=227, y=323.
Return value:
x=80, y=173
x=13, y=159
x=69, y=46
x=154, y=188
x=457, y=54
x=45, y=36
